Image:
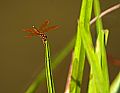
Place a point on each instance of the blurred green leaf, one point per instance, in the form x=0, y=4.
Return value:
x=115, y=86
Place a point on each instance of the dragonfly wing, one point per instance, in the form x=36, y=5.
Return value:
x=46, y=22
x=50, y=28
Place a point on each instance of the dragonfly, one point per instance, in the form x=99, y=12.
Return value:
x=40, y=32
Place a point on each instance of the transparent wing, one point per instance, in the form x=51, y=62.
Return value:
x=50, y=28
x=43, y=26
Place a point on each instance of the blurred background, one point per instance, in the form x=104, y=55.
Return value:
x=21, y=59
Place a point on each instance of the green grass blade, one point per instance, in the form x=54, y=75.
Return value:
x=105, y=67
x=78, y=56
x=35, y=84
x=49, y=77
x=41, y=76
x=106, y=31
x=77, y=72
x=92, y=57
x=100, y=48
x=115, y=86
x=93, y=61
x=92, y=86
x=56, y=61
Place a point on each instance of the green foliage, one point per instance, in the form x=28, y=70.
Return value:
x=78, y=57
x=96, y=55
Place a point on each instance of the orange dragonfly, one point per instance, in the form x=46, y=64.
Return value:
x=40, y=31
